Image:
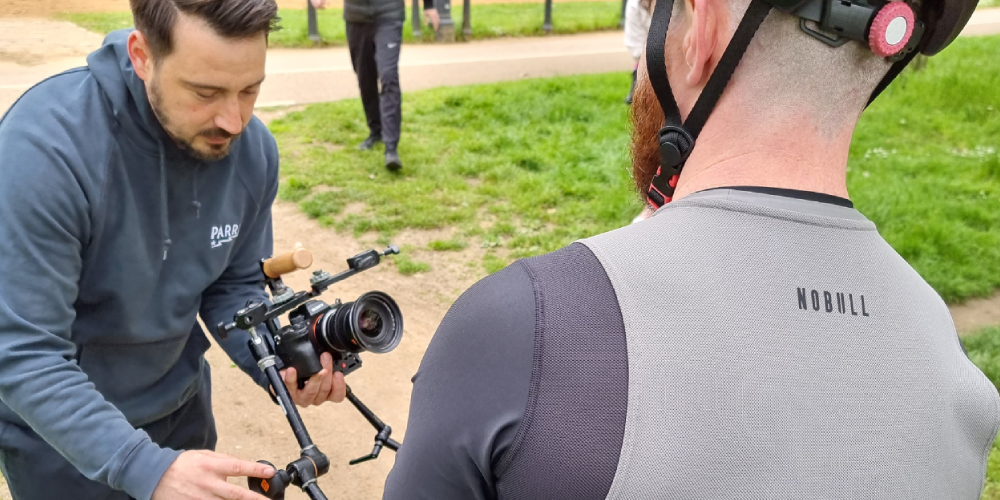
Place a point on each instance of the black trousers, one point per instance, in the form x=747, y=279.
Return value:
x=375, y=56
x=36, y=471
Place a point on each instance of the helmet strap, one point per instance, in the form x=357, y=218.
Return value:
x=894, y=71
x=677, y=138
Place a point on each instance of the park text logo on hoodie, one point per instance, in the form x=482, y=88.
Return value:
x=224, y=234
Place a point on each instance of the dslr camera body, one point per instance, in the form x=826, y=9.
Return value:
x=372, y=323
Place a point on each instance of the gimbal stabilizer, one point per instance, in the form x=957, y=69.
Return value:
x=372, y=323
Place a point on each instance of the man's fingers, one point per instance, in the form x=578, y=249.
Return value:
x=233, y=492
x=291, y=383
x=339, y=388
x=234, y=467
x=308, y=394
x=326, y=385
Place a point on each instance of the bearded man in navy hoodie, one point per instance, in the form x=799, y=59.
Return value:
x=135, y=195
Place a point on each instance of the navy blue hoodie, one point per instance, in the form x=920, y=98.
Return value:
x=112, y=242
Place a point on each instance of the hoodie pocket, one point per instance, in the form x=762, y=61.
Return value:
x=146, y=381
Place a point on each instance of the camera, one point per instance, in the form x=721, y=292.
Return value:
x=372, y=323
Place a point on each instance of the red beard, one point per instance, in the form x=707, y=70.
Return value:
x=647, y=120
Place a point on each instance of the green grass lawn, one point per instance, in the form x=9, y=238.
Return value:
x=521, y=168
x=545, y=162
x=925, y=166
x=984, y=351
x=488, y=21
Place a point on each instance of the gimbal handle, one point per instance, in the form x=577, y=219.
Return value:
x=300, y=258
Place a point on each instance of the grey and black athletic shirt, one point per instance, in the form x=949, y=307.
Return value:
x=740, y=343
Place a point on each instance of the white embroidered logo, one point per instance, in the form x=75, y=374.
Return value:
x=224, y=234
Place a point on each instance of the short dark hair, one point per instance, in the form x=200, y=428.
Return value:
x=155, y=19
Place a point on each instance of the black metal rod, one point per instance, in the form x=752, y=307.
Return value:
x=467, y=18
x=621, y=21
x=547, y=27
x=314, y=492
x=369, y=415
x=417, y=19
x=291, y=413
x=392, y=444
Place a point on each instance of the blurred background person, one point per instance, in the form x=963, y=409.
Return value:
x=638, y=14
x=374, y=37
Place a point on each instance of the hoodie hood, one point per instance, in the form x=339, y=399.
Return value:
x=126, y=95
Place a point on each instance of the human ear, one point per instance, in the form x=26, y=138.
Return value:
x=140, y=55
x=704, y=26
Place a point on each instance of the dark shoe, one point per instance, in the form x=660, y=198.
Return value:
x=392, y=162
x=631, y=92
x=370, y=142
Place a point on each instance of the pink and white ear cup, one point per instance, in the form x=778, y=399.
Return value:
x=891, y=29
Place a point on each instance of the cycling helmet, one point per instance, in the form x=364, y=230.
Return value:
x=896, y=29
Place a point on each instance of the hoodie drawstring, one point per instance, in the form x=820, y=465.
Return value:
x=164, y=214
x=196, y=203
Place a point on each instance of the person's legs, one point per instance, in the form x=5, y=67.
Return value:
x=361, y=43
x=36, y=471
x=388, y=39
x=631, y=91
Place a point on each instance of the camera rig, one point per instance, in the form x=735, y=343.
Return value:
x=312, y=463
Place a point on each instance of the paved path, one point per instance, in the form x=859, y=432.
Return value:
x=305, y=76
x=302, y=76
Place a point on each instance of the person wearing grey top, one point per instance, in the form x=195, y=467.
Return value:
x=755, y=337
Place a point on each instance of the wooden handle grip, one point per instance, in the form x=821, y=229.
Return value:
x=300, y=258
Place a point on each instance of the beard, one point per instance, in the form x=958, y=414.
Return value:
x=647, y=120
x=214, y=152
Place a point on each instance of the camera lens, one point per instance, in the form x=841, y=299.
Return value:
x=371, y=323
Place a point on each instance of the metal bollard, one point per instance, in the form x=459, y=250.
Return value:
x=547, y=27
x=467, y=18
x=313, y=26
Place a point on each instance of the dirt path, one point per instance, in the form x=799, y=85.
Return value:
x=33, y=41
x=251, y=427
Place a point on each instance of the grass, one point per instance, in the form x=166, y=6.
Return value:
x=447, y=245
x=488, y=21
x=526, y=167
x=925, y=167
x=984, y=351
x=408, y=266
x=549, y=167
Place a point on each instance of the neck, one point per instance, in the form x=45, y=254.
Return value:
x=741, y=147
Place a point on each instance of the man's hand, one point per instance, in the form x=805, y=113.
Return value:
x=319, y=4
x=432, y=16
x=201, y=475
x=326, y=385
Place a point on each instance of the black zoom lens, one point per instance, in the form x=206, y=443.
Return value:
x=371, y=323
